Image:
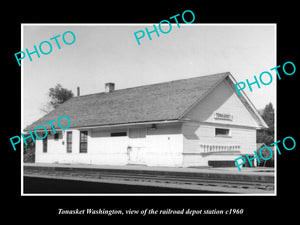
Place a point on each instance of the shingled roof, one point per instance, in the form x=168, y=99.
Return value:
x=149, y=103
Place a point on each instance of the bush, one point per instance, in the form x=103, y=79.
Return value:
x=29, y=153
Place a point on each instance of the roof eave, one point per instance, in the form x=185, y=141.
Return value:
x=116, y=125
x=262, y=124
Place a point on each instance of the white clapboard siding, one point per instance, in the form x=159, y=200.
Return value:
x=196, y=134
x=222, y=99
x=162, y=146
x=200, y=144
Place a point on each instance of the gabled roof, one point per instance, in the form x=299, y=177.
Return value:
x=151, y=103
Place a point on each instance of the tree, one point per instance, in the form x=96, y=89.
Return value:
x=58, y=95
x=267, y=135
x=29, y=151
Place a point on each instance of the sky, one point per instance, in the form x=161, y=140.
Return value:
x=105, y=53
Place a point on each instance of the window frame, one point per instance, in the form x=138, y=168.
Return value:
x=56, y=136
x=82, y=141
x=222, y=135
x=118, y=134
x=69, y=142
x=45, y=144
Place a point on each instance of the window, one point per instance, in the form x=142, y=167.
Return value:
x=118, y=134
x=45, y=142
x=56, y=136
x=83, y=142
x=69, y=141
x=222, y=132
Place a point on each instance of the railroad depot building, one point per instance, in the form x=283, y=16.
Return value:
x=191, y=122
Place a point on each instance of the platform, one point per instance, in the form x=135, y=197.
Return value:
x=250, y=180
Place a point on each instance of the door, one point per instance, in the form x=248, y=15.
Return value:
x=136, y=155
x=137, y=146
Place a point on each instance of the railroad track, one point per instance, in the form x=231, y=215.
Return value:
x=188, y=181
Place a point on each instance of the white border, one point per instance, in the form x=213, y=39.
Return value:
x=139, y=24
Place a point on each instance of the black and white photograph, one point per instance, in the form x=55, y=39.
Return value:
x=140, y=112
x=150, y=117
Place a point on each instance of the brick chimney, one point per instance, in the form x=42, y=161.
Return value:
x=109, y=87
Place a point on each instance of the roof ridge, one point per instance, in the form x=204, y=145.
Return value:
x=148, y=85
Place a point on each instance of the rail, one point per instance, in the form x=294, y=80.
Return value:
x=188, y=181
